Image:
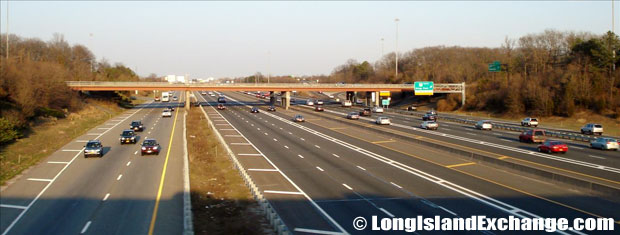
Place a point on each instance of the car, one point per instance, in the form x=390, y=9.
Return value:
x=592, y=128
x=347, y=103
x=157, y=99
x=553, y=146
x=484, y=125
x=271, y=108
x=432, y=112
x=429, y=117
x=93, y=148
x=383, y=121
x=211, y=93
x=175, y=98
x=528, y=121
x=377, y=109
x=533, y=136
x=150, y=146
x=136, y=126
x=166, y=113
x=128, y=136
x=412, y=108
x=319, y=108
x=353, y=116
x=310, y=102
x=299, y=118
x=197, y=104
x=429, y=125
x=359, y=102
x=331, y=96
x=366, y=112
x=254, y=110
x=605, y=144
x=221, y=107
x=221, y=100
x=319, y=102
x=203, y=93
x=171, y=108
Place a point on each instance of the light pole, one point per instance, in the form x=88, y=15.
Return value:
x=396, y=54
x=7, y=29
x=268, y=66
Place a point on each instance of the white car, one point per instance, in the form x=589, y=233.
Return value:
x=528, y=121
x=319, y=102
x=331, y=96
x=347, y=103
x=604, y=144
x=484, y=125
x=383, y=121
x=310, y=102
x=204, y=93
x=592, y=128
x=429, y=125
x=377, y=109
x=166, y=113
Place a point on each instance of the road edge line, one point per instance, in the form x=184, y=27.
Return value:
x=188, y=226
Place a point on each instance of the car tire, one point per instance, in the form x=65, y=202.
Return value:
x=539, y=150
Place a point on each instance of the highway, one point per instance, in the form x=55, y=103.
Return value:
x=117, y=194
x=340, y=171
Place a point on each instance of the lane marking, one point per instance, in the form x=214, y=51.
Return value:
x=337, y=128
x=39, y=179
x=302, y=139
x=286, y=146
x=398, y=186
x=347, y=186
x=232, y=136
x=283, y=192
x=128, y=163
x=249, y=154
x=386, y=212
x=270, y=170
x=226, y=129
x=239, y=144
x=449, y=211
x=462, y=164
x=274, y=139
x=362, y=168
x=106, y=197
x=290, y=133
x=299, y=155
x=314, y=231
x=85, y=227
x=594, y=156
x=72, y=150
x=383, y=141
x=52, y=162
x=136, y=152
x=503, y=157
x=82, y=141
x=119, y=177
x=319, y=168
x=317, y=146
x=335, y=155
x=14, y=206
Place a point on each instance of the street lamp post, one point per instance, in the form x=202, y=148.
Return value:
x=396, y=53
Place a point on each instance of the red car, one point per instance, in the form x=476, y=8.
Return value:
x=553, y=146
x=532, y=136
x=156, y=98
x=221, y=107
x=150, y=146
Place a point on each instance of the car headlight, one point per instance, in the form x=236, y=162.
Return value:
x=133, y=137
x=143, y=148
x=155, y=147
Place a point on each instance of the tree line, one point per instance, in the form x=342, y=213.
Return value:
x=32, y=80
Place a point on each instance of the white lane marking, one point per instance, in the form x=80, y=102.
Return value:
x=398, y=186
x=505, y=140
x=577, y=147
x=72, y=150
x=281, y=128
x=274, y=139
x=317, y=146
x=251, y=124
x=286, y=146
x=449, y=211
x=347, y=186
x=222, y=124
x=469, y=133
x=335, y=155
x=136, y=152
x=85, y=227
x=109, y=124
x=106, y=197
x=82, y=141
x=266, y=133
x=239, y=143
x=290, y=133
x=283, y=192
x=232, y=136
x=319, y=168
x=39, y=179
x=149, y=132
x=128, y=163
x=314, y=231
x=249, y=154
x=258, y=128
x=362, y=168
x=13, y=206
x=594, y=156
x=387, y=212
x=226, y=129
x=253, y=169
x=52, y=162
x=299, y=155
x=119, y=177
x=302, y=139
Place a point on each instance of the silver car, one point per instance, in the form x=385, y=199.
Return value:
x=383, y=121
x=605, y=144
x=353, y=116
x=484, y=125
x=592, y=128
x=429, y=125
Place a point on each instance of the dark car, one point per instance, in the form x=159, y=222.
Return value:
x=299, y=118
x=136, y=126
x=319, y=108
x=171, y=108
x=93, y=148
x=150, y=146
x=197, y=104
x=221, y=100
x=128, y=136
x=429, y=117
x=533, y=136
x=271, y=108
x=221, y=107
x=553, y=146
x=366, y=112
x=254, y=110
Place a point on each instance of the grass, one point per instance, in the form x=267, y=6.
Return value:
x=221, y=203
x=50, y=135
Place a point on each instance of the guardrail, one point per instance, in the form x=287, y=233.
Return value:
x=270, y=212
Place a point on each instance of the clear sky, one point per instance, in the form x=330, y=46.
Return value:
x=221, y=39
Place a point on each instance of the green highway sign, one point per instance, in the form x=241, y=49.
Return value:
x=423, y=88
x=495, y=66
x=385, y=102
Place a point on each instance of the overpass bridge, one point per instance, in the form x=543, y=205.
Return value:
x=285, y=88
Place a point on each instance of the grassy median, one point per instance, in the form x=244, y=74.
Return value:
x=221, y=203
x=50, y=134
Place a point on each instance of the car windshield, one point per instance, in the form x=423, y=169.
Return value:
x=555, y=143
x=539, y=133
x=534, y=119
x=92, y=145
x=598, y=126
x=150, y=142
x=135, y=123
x=127, y=133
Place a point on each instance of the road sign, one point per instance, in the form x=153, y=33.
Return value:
x=385, y=102
x=384, y=93
x=495, y=66
x=423, y=88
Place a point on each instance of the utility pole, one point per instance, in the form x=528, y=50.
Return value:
x=7, y=29
x=396, y=53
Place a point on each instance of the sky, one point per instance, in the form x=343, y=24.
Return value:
x=233, y=39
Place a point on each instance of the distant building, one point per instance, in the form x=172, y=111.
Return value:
x=175, y=79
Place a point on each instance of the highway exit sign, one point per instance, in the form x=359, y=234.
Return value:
x=423, y=88
x=496, y=66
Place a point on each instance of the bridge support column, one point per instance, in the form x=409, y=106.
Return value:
x=287, y=99
x=368, y=100
x=187, y=99
x=377, y=98
x=463, y=95
x=272, y=98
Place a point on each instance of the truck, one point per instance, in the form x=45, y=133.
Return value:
x=165, y=96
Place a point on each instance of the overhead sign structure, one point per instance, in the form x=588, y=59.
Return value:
x=423, y=88
x=496, y=66
x=384, y=93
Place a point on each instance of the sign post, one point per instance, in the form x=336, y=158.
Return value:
x=423, y=88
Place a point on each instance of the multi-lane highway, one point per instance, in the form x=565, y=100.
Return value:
x=339, y=171
x=119, y=193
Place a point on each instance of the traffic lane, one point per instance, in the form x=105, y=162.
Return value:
x=548, y=160
x=539, y=202
x=73, y=189
x=280, y=192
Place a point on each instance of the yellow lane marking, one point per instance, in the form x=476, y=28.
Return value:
x=462, y=164
x=337, y=128
x=490, y=181
x=503, y=157
x=163, y=177
x=383, y=141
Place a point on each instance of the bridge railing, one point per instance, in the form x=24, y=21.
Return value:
x=258, y=85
